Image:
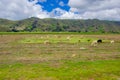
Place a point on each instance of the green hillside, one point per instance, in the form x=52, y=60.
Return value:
x=59, y=25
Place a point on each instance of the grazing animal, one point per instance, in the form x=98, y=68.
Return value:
x=46, y=42
x=47, y=36
x=112, y=41
x=99, y=41
x=94, y=43
x=68, y=38
x=55, y=36
x=73, y=55
x=82, y=48
x=41, y=37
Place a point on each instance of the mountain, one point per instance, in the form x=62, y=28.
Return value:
x=59, y=25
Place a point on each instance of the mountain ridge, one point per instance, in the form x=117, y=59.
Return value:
x=59, y=25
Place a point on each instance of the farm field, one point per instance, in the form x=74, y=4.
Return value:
x=59, y=57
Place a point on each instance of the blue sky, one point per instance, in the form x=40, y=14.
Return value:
x=60, y=9
x=49, y=5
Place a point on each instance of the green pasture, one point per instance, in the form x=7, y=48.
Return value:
x=60, y=39
x=66, y=57
x=61, y=70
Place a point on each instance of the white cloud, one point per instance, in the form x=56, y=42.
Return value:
x=61, y=3
x=113, y=14
x=57, y=12
x=100, y=9
x=89, y=9
x=20, y=9
x=70, y=15
x=79, y=9
x=62, y=14
x=74, y=10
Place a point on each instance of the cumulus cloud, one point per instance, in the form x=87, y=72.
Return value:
x=62, y=14
x=112, y=14
x=89, y=9
x=61, y=3
x=20, y=9
x=57, y=12
x=70, y=15
x=79, y=9
x=100, y=9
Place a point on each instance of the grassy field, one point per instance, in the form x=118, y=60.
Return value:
x=59, y=57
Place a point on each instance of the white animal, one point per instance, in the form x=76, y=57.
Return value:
x=41, y=37
x=73, y=55
x=82, y=48
x=46, y=42
x=55, y=36
x=68, y=38
x=47, y=36
x=94, y=43
x=112, y=41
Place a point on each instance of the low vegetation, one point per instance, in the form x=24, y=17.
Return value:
x=64, y=57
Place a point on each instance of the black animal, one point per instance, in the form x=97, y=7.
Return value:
x=99, y=41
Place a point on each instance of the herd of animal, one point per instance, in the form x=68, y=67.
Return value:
x=93, y=43
x=96, y=42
